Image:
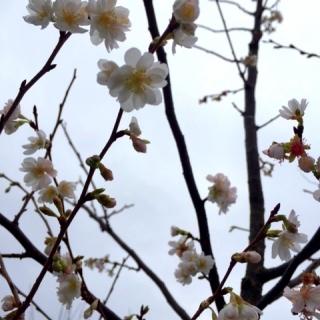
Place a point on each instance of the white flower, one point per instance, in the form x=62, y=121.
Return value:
x=220, y=192
x=66, y=189
x=137, y=83
x=8, y=303
x=108, y=23
x=182, y=275
x=307, y=297
x=106, y=67
x=134, y=127
x=70, y=15
x=229, y=312
x=180, y=246
x=10, y=126
x=183, y=39
x=204, y=263
x=174, y=231
x=288, y=240
x=39, y=172
x=250, y=60
x=186, y=11
x=295, y=110
x=47, y=194
x=41, y=12
x=69, y=289
x=36, y=143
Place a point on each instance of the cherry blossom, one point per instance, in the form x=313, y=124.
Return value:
x=295, y=110
x=41, y=13
x=37, y=143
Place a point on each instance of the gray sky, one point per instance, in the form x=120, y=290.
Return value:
x=153, y=182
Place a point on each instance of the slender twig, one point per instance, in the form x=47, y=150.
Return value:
x=268, y=122
x=218, y=96
x=222, y=30
x=25, y=86
x=214, y=53
x=237, y=5
x=293, y=47
x=238, y=109
x=229, y=40
x=4, y=273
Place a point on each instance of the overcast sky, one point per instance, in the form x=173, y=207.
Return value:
x=153, y=182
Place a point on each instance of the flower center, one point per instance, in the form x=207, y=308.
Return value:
x=137, y=82
x=42, y=15
x=188, y=11
x=297, y=148
x=107, y=20
x=38, y=172
x=69, y=17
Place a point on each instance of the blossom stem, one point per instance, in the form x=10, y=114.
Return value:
x=24, y=88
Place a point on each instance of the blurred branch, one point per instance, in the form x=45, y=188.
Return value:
x=269, y=121
x=229, y=39
x=218, y=96
x=222, y=30
x=293, y=47
x=237, y=5
x=25, y=86
x=214, y=53
x=184, y=158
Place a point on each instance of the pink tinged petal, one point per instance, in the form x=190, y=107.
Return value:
x=145, y=62
x=298, y=306
x=132, y=57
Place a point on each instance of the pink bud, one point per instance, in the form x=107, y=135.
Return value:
x=306, y=163
x=252, y=256
x=276, y=151
x=139, y=144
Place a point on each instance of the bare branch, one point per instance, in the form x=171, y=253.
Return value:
x=293, y=47
x=218, y=96
x=222, y=30
x=214, y=53
x=269, y=121
x=237, y=5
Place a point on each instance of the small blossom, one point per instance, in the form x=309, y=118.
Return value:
x=306, y=163
x=70, y=15
x=307, y=297
x=108, y=23
x=295, y=110
x=11, y=126
x=69, y=289
x=134, y=127
x=186, y=11
x=39, y=172
x=106, y=67
x=174, y=231
x=137, y=83
x=183, y=39
x=250, y=60
x=182, y=274
x=180, y=246
x=36, y=143
x=47, y=194
x=41, y=12
x=276, y=151
x=204, y=263
x=8, y=303
x=49, y=242
x=66, y=189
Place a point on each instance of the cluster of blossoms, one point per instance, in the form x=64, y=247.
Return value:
x=191, y=262
x=305, y=298
x=296, y=147
x=107, y=22
x=250, y=60
x=185, y=13
x=238, y=309
x=69, y=282
x=221, y=193
x=12, y=124
x=267, y=21
x=288, y=238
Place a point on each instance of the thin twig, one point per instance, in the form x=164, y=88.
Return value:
x=222, y=30
x=218, y=96
x=214, y=53
x=237, y=5
x=269, y=121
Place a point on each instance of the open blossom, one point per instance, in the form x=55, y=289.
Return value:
x=220, y=192
x=41, y=12
x=295, y=110
x=69, y=289
x=137, y=83
x=66, y=189
x=305, y=298
x=186, y=11
x=70, y=15
x=183, y=39
x=287, y=241
x=10, y=126
x=39, y=172
x=204, y=263
x=37, y=143
x=180, y=246
x=106, y=67
x=47, y=194
x=108, y=23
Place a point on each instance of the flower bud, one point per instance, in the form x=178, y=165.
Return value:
x=139, y=145
x=105, y=172
x=306, y=163
x=174, y=231
x=88, y=313
x=8, y=303
x=93, y=161
x=58, y=203
x=106, y=201
x=276, y=151
x=49, y=242
x=248, y=256
x=134, y=127
x=47, y=211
